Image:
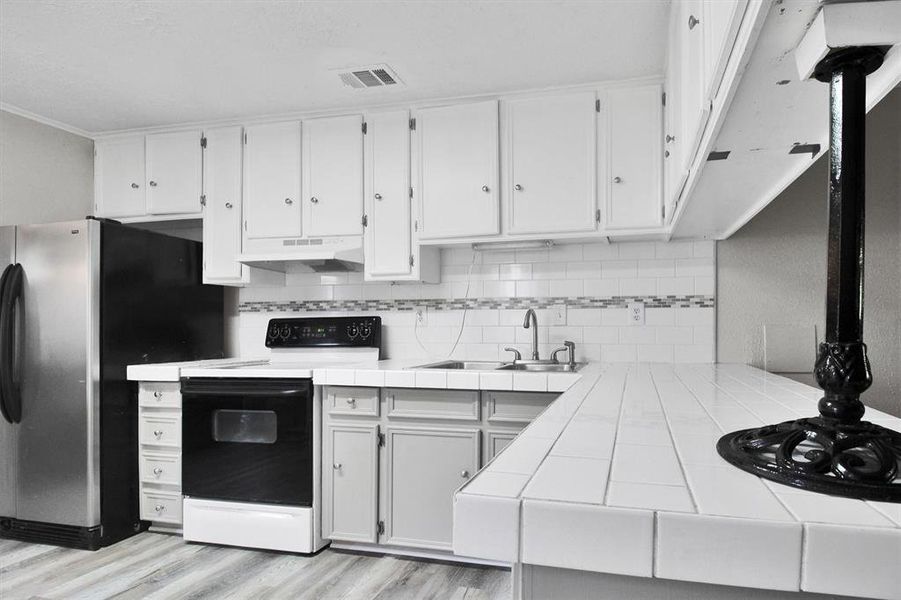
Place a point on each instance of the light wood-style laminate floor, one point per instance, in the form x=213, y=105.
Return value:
x=158, y=566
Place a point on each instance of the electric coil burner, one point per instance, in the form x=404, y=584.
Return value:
x=836, y=452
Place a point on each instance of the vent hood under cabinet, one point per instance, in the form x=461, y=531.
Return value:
x=313, y=254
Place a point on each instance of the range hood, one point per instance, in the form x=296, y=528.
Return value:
x=319, y=255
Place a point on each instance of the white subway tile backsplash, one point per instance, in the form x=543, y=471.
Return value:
x=590, y=280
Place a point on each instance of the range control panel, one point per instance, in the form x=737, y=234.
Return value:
x=330, y=332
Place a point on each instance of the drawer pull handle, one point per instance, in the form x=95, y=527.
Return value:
x=337, y=466
x=157, y=471
x=465, y=474
x=159, y=508
x=158, y=395
x=158, y=434
x=352, y=402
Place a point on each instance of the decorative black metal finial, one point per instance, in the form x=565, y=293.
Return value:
x=835, y=453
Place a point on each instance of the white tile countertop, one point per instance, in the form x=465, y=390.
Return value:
x=621, y=475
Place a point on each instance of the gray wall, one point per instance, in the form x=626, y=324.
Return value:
x=773, y=270
x=46, y=174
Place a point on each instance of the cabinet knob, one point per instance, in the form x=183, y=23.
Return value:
x=158, y=395
x=288, y=201
x=666, y=154
x=517, y=187
x=134, y=186
x=158, y=433
x=670, y=138
x=152, y=184
x=617, y=180
x=378, y=196
x=352, y=401
x=486, y=189
x=337, y=466
x=159, y=508
x=228, y=205
x=157, y=471
x=314, y=200
x=692, y=21
x=464, y=474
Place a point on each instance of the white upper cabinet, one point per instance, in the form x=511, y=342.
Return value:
x=457, y=163
x=119, y=178
x=550, y=155
x=173, y=172
x=222, y=211
x=272, y=198
x=389, y=230
x=722, y=20
x=333, y=176
x=635, y=157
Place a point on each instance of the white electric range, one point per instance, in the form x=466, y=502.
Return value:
x=252, y=436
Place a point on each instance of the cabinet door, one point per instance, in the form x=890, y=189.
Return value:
x=551, y=150
x=272, y=180
x=333, y=176
x=222, y=212
x=350, y=477
x=174, y=172
x=674, y=170
x=424, y=468
x=388, y=234
x=695, y=105
x=636, y=169
x=457, y=160
x=722, y=19
x=119, y=178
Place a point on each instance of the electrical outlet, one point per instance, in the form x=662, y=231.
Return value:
x=422, y=316
x=636, y=313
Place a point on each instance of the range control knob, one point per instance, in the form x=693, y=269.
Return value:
x=352, y=331
x=285, y=332
x=365, y=331
x=273, y=332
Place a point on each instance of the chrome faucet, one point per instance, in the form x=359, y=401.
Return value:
x=532, y=321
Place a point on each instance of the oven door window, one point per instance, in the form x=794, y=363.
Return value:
x=253, y=447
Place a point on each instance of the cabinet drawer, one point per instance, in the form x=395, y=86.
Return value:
x=352, y=401
x=164, y=507
x=496, y=441
x=158, y=429
x=163, y=394
x=161, y=467
x=516, y=407
x=433, y=404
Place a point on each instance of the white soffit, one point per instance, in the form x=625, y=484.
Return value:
x=104, y=66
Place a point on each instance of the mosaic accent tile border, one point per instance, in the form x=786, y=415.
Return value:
x=524, y=302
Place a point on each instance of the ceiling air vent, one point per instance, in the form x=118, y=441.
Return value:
x=369, y=77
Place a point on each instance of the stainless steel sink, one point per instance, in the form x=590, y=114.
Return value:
x=469, y=365
x=542, y=367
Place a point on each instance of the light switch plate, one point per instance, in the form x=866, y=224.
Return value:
x=789, y=348
x=636, y=313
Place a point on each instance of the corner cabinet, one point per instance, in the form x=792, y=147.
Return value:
x=119, y=178
x=633, y=160
x=550, y=149
x=394, y=457
x=457, y=170
x=389, y=237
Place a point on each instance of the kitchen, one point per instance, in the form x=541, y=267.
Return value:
x=444, y=300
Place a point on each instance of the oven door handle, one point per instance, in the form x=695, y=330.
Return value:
x=259, y=393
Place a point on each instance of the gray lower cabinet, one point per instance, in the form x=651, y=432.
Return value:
x=350, y=479
x=424, y=467
x=393, y=457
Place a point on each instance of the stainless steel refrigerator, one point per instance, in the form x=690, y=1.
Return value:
x=79, y=301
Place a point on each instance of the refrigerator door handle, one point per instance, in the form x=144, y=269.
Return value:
x=3, y=281
x=9, y=388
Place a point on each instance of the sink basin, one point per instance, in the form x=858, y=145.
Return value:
x=543, y=367
x=469, y=365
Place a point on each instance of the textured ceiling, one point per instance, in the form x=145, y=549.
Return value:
x=101, y=65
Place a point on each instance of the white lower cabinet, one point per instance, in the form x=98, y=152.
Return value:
x=424, y=467
x=159, y=452
x=391, y=468
x=350, y=478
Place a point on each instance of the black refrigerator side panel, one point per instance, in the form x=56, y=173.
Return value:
x=153, y=308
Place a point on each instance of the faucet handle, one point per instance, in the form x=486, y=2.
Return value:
x=572, y=352
x=556, y=351
x=516, y=354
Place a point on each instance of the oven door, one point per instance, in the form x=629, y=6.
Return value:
x=248, y=440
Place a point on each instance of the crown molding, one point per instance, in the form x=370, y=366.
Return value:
x=21, y=112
